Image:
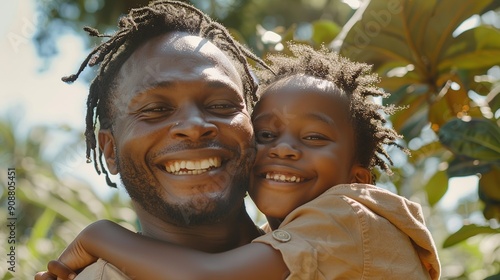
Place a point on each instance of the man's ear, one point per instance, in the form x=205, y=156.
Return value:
x=107, y=146
x=361, y=175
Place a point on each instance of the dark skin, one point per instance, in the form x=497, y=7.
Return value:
x=189, y=107
x=181, y=112
x=298, y=159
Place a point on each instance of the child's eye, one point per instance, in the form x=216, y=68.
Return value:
x=314, y=137
x=264, y=136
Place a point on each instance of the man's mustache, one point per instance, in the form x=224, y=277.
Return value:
x=189, y=145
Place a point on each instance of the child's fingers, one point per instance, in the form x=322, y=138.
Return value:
x=61, y=270
x=45, y=275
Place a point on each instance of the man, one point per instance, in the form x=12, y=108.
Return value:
x=174, y=124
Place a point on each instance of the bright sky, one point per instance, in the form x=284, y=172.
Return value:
x=35, y=97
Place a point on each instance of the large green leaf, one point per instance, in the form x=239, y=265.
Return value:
x=493, y=277
x=477, y=138
x=417, y=37
x=426, y=151
x=446, y=16
x=413, y=32
x=489, y=187
x=436, y=187
x=475, y=48
x=467, y=231
x=465, y=166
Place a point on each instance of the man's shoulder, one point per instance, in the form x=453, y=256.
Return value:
x=101, y=270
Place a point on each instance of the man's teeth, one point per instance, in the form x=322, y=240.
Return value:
x=192, y=167
x=283, y=178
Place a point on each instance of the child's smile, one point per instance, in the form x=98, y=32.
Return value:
x=305, y=151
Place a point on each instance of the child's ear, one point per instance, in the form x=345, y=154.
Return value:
x=107, y=146
x=361, y=175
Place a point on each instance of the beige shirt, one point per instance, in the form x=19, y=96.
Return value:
x=356, y=231
x=349, y=232
x=101, y=270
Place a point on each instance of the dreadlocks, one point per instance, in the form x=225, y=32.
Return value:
x=135, y=28
x=359, y=84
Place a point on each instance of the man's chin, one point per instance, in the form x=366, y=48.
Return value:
x=196, y=211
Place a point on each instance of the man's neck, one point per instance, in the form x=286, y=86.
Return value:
x=235, y=230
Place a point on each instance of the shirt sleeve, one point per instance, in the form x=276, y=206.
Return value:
x=314, y=245
x=101, y=270
x=336, y=237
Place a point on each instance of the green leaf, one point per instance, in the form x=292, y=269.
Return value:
x=418, y=35
x=436, y=187
x=426, y=151
x=40, y=229
x=493, y=277
x=324, y=31
x=477, y=138
x=466, y=232
x=446, y=17
x=8, y=276
x=464, y=166
x=411, y=120
x=489, y=187
x=475, y=48
x=414, y=32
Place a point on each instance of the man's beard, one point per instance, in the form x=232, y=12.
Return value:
x=209, y=209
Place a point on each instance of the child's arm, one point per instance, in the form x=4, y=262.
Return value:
x=146, y=258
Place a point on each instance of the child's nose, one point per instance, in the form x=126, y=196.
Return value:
x=285, y=150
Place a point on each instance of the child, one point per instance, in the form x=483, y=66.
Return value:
x=319, y=135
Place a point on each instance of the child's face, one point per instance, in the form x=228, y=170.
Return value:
x=305, y=145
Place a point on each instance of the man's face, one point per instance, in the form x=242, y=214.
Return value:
x=182, y=136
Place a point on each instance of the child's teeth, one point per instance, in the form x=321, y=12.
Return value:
x=283, y=177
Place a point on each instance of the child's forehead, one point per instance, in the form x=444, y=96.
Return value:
x=303, y=96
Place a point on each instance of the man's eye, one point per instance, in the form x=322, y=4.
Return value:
x=223, y=108
x=161, y=109
x=154, y=112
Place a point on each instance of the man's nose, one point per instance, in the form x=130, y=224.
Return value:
x=285, y=150
x=192, y=125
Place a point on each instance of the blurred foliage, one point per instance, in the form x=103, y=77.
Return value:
x=241, y=16
x=50, y=209
x=440, y=59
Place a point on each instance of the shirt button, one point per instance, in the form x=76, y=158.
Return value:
x=281, y=235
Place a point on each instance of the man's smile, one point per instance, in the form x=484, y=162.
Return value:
x=192, y=167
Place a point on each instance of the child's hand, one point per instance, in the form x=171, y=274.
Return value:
x=57, y=271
